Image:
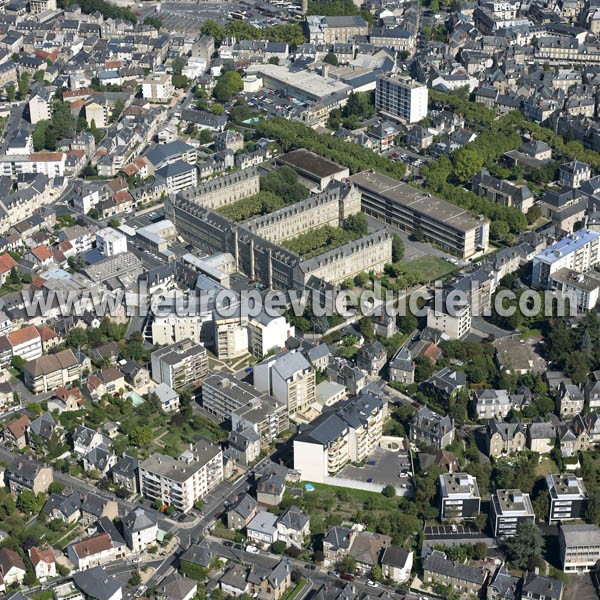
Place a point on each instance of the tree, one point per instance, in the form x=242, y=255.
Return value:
x=541, y=505
x=366, y=328
x=480, y=550
x=389, y=491
x=397, y=248
x=348, y=564
x=274, y=60
x=39, y=135
x=177, y=65
x=56, y=487
x=153, y=22
x=227, y=86
x=141, y=435
x=357, y=223
x=499, y=230
x=205, y=136
x=24, y=85
x=212, y=28
x=467, y=163
x=11, y=92
x=17, y=363
x=278, y=547
x=217, y=109
x=135, y=579
x=376, y=573
x=331, y=59
x=13, y=277
x=39, y=76
x=30, y=502
x=526, y=548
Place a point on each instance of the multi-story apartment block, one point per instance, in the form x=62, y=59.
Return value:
x=230, y=335
x=51, y=371
x=266, y=333
x=460, y=496
x=454, y=321
x=180, y=364
x=158, y=87
x=401, y=98
x=400, y=205
x=289, y=377
x=178, y=176
x=183, y=481
x=173, y=328
x=579, y=547
x=579, y=252
x=340, y=435
x=25, y=343
x=509, y=509
x=109, y=241
x=40, y=105
x=568, y=497
x=266, y=416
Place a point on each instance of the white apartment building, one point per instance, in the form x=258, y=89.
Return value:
x=180, y=364
x=579, y=547
x=337, y=437
x=181, y=482
x=51, y=164
x=579, y=252
x=109, y=241
x=401, y=98
x=288, y=376
x=40, y=105
x=25, y=342
x=266, y=333
x=174, y=328
x=454, y=321
x=158, y=87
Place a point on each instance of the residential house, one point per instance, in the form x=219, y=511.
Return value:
x=95, y=583
x=461, y=577
x=242, y=512
x=536, y=587
x=125, y=474
x=293, y=527
x=428, y=428
x=504, y=438
x=12, y=567
x=94, y=551
x=372, y=358
x=177, y=587
x=140, y=529
x=492, y=404
x=43, y=562
x=396, y=564
x=15, y=432
x=570, y=400
x=262, y=529
x=24, y=474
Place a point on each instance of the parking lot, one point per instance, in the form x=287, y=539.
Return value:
x=382, y=467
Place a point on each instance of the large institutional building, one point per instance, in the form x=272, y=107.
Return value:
x=254, y=244
x=452, y=228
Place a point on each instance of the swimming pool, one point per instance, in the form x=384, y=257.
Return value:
x=135, y=398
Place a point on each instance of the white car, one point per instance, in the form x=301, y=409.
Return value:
x=372, y=583
x=252, y=549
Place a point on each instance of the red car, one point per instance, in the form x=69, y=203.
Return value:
x=347, y=577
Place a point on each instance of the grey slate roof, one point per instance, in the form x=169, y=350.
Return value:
x=96, y=583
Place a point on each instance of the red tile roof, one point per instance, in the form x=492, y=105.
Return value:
x=7, y=262
x=39, y=555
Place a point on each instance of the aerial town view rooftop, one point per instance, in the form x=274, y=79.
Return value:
x=299, y=299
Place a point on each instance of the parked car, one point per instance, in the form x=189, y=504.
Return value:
x=347, y=577
x=252, y=549
x=372, y=583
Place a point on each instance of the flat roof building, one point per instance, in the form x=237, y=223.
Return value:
x=452, y=228
x=460, y=496
x=509, y=509
x=579, y=547
x=568, y=497
x=313, y=167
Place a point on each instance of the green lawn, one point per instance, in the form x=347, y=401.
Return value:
x=428, y=268
x=546, y=467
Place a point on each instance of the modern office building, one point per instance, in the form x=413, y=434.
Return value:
x=509, y=509
x=402, y=98
x=452, y=228
x=568, y=497
x=579, y=547
x=460, y=496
